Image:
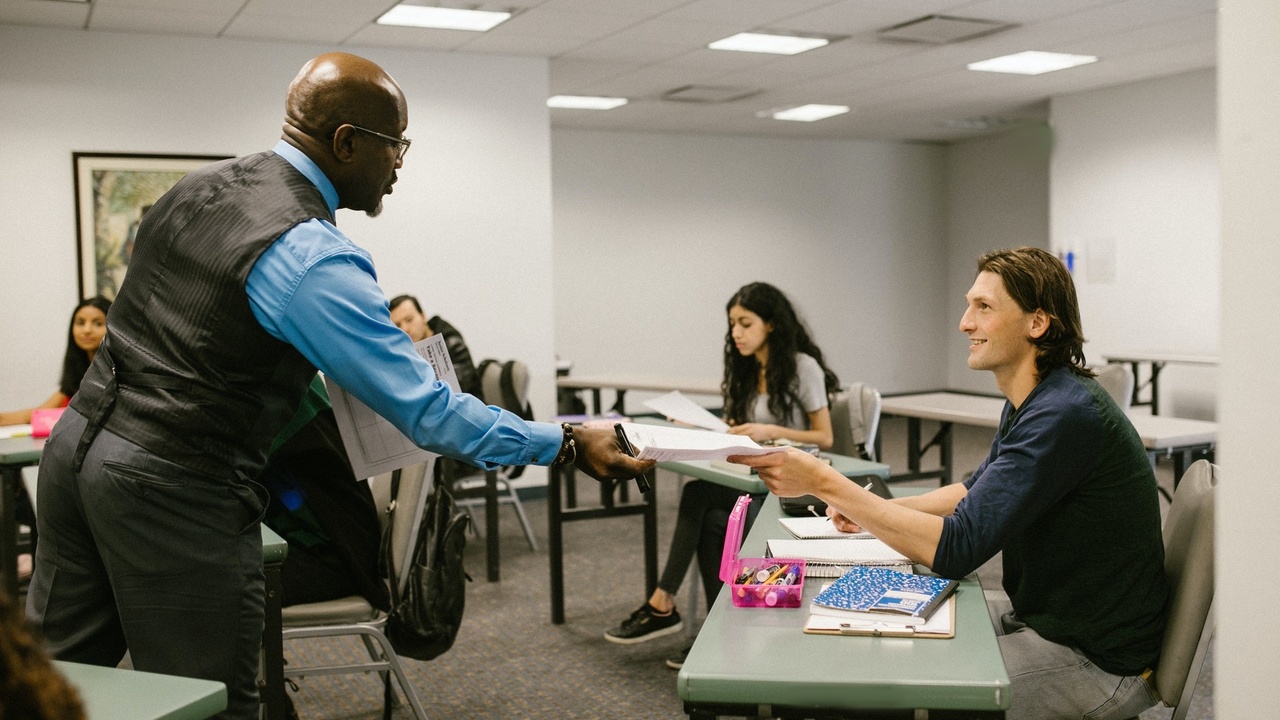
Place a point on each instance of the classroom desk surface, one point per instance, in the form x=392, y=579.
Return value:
x=115, y=694
x=1182, y=439
x=558, y=515
x=759, y=662
x=621, y=383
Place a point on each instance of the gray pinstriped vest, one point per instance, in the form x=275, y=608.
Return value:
x=200, y=383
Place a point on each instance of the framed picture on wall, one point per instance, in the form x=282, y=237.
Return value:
x=113, y=190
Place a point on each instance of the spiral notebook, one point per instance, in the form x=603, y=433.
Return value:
x=831, y=558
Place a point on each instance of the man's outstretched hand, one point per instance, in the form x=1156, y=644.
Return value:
x=600, y=456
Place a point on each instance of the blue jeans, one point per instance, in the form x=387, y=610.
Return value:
x=1050, y=681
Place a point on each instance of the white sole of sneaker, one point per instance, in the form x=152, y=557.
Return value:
x=645, y=638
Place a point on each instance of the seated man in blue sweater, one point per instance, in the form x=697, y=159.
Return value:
x=1066, y=493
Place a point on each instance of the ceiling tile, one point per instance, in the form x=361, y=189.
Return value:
x=157, y=20
x=280, y=27
x=49, y=14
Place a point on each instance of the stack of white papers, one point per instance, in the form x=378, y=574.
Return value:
x=664, y=443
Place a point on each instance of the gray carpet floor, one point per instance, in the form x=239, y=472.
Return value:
x=511, y=662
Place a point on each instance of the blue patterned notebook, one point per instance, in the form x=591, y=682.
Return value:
x=883, y=595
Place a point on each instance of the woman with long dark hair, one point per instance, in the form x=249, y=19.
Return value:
x=776, y=387
x=84, y=336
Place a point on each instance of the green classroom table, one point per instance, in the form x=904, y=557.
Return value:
x=759, y=662
x=115, y=694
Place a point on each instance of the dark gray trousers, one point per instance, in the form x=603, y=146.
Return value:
x=139, y=554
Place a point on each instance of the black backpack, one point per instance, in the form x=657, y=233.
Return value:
x=424, y=619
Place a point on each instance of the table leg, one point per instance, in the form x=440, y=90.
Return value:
x=944, y=454
x=913, y=444
x=10, y=481
x=1156, y=367
x=491, y=524
x=1137, y=386
x=651, y=535
x=273, y=645
x=555, y=545
x=595, y=401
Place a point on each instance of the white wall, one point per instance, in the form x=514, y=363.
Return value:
x=997, y=197
x=1247, y=653
x=654, y=233
x=1134, y=194
x=468, y=228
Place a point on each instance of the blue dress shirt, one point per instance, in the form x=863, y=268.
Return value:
x=316, y=290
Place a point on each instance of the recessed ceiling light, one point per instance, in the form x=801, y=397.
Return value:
x=1032, y=62
x=765, y=43
x=808, y=113
x=585, y=102
x=442, y=18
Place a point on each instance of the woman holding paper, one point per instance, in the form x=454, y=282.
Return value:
x=84, y=335
x=776, y=386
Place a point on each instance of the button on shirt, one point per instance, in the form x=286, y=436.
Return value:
x=316, y=290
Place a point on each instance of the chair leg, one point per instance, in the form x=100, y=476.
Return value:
x=406, y=689
x=524, y=519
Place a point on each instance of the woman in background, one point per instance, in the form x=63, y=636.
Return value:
x=88, y=327
x=84, y=336
x=776, y=387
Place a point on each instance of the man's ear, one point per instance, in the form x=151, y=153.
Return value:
x=343, y=144
x=1039, y=323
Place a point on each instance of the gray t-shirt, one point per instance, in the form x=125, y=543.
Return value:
x=811, y=388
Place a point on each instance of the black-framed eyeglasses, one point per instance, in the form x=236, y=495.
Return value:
x=403, y=142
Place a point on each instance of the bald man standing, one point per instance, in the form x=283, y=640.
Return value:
x=240, y=287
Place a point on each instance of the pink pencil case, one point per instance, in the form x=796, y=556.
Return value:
x=758, y=582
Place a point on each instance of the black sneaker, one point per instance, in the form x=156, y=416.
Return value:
x=677, y=661
x=644, y=624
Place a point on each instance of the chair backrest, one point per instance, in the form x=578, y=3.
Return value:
x=1188, y=563
x=1117, y=380
x=510, y=392
x=855, y=419
x=411, y=502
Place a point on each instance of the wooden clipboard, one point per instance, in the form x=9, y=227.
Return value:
x=941, y=626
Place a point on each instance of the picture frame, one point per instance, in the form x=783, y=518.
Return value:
x=112, y=191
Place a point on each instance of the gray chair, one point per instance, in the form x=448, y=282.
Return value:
x=1188, y=563
x=855, y=419
x=1117, y=380
x=353, y=615
x=468, y=489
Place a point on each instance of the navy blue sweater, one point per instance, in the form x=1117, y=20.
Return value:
x=1068, y=495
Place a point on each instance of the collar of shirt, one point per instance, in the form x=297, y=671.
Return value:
x=307, y=166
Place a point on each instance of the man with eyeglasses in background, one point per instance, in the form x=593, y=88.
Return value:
x=240, y=287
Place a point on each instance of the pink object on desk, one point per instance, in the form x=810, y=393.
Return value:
x=42, y=421
x=758, y=582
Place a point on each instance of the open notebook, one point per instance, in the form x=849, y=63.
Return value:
x=831, y=558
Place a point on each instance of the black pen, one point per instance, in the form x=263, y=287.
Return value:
x=641, y=481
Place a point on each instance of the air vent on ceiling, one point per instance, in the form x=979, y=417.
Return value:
x=942, y=29
x=708, y=93
x=984, y=122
